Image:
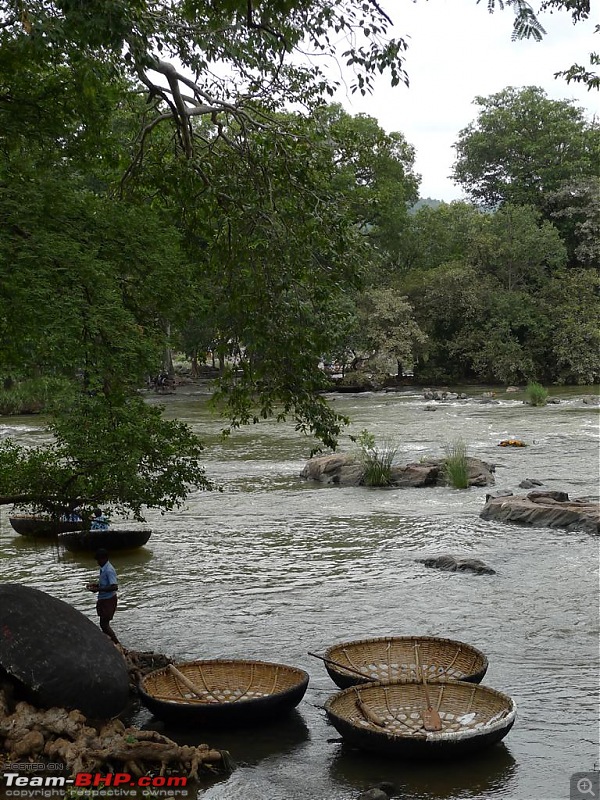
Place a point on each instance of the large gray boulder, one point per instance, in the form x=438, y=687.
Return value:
x=345, y=469
x=60, y=656
x=540, y=509
x=342, y=469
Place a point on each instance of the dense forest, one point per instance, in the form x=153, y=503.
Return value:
x=174, y=177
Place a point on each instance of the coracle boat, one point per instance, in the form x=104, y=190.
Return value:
x=47, y=527
x=395, y=658
x=387, y=718
x=112, y=539
x=222, y=691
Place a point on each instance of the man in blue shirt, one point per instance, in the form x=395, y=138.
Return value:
x=99, y=521
x=106, y=587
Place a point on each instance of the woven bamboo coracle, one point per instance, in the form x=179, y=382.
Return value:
x=388, y=717
x=112, y=539
x=225, y=690
x=32, y=525
x=393, y=658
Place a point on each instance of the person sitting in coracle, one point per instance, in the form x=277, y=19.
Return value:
x=74, y=515
x=99, y=521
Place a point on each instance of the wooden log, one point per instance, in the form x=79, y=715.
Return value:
x=186, y=681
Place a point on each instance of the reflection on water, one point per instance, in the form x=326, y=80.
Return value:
x=491, y=774
x=247, y=745
x=274, y=567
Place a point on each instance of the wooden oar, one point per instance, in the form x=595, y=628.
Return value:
x=186, y=682
x=367, y=713
x=431, y=718
x=341, y=666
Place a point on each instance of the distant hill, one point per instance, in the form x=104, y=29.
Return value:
x=425, y=201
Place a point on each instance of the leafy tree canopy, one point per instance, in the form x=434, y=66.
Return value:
x=575, y=210
x=388, y=334
x=524, y=145
x=574, y=299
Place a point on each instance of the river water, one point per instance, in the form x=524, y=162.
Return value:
x=272, y=567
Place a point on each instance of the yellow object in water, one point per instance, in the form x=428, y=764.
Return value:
x=512, y=443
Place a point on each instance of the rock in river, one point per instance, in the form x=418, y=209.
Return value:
x=346, y=469
x=452, y=564
x=551, y=509
x=59, y=655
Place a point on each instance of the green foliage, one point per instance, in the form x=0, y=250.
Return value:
x=87, y=282
x=375, y=171
x=575, y=211
x=377, y=460
x=387, y=334
x=517, y=247
x=281, y=253
x=117, y=452
x=577, y=73
x=260, y=52
x=536, y=394
x=253, y=256
x=438, y=235
x=446, y=300
x=485, y=313
x=573, y=296
x=32, y=396
x=524, y=145
x=456, y=464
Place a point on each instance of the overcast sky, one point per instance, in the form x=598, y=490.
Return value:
x=457, y=50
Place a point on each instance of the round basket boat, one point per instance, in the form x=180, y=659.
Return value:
x=387, y=718
x=226, y=691
x=31, y=525
x=112, y=539
x=394, y=658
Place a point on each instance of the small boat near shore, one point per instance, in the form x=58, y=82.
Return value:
x=111, y=539
x=395, y=658
x=46, y=527
x=223, y=691
x=388, y=718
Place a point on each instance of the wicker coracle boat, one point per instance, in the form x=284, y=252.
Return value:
x=388, y=718
x=112, y=539
x=47, y=527
x=394, y=658
x=223, y=691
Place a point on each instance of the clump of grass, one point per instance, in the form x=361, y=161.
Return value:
x=377, y=460
x=536, y=394
x=456, y=464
